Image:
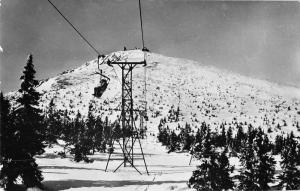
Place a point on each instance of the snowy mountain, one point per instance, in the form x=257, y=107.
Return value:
x=202, y=93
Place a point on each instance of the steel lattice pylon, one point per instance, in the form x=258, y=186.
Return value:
x=128, y=126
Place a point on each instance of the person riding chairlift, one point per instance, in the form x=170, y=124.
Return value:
x=99, y=90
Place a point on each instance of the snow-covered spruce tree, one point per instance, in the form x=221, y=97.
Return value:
x=80, y=149
x=90, y=138
x=163, y=136
x=247, y=178
x=117, y=132
x=290, y=178
x=265, y=169
x=53, y=124
x=66, y=128
x=204, y=177
x=197, y=146
x=213, y=172
x=27, y=126
x=185, y=138
x=221, y=140
x=99, y=135
x=239, y=139
x=229, y=136
x=224, y=180
x=278, y=144
x=207, y=144
x=174, y=142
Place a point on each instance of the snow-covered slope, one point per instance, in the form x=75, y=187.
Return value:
x=203, y=93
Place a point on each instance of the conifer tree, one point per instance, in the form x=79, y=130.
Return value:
x=200, y=134
x=278, y=144
x=248, y=159
x=53, y=124
x=213, y=172
x=224, y=169
x=80, y=149
x=198, y=143
x=174, y=142
x=5, y=131
x=222, y=138
x=7, y=144
x=290, y=178
x=99, y=135
x=239, y=138
x=107, y=132
x=203, y=178
x=66, y=127
x=90, y=138
x=207, y=144
x=229, y=136
x=117, y=132
x=27, y=126
x=177, y=114
x=265, y=162
x=163, y=136
x=185, y=138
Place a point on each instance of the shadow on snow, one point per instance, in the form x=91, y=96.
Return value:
x=67, y=184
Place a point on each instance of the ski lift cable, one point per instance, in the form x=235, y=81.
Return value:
x=81, y=35
x=77, y=31
x=85, y=39
x=141, y=21
x=143, y=43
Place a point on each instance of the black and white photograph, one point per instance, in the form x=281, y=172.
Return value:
x=149, y=95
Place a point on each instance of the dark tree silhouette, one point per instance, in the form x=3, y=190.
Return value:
x=265, y=169
x=27, y=126
x=247, y=178
x=290, y=178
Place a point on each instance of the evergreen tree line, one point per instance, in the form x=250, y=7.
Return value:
x=253, y=148
x=84, y=136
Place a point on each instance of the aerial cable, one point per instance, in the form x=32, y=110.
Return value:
x=75, y=28
x=141, y=20
x=81, y=35
x=142, y=31
x=144, y=49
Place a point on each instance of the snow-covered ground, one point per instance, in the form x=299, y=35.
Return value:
x=166, y=171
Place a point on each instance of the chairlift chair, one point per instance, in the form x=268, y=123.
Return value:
x=99, y=90
x=146, y=118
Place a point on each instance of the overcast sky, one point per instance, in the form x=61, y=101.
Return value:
x=259, y=39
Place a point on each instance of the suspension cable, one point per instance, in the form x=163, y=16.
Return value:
x=141, y=20
x=81, y=35
x=74, y=28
